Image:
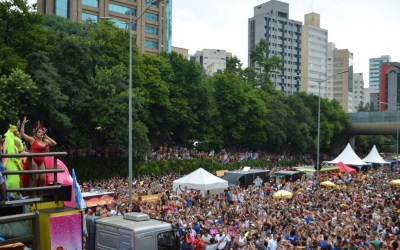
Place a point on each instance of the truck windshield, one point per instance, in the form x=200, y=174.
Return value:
x=167, y=240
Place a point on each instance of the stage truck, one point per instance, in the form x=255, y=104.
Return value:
x=53, y=221
x=132, y=231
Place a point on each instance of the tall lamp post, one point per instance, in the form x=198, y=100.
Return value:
x=131, y=22
x=397, y=130
x=130, y=25
x=319, y=117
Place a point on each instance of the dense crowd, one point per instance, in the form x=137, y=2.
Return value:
x=185, y=153
x=361, y=212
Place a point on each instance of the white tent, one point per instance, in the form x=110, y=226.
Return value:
x=348, y=157
x=374, y=157
x=202, y=180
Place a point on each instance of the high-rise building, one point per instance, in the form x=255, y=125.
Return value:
x=314, y=56
x=181, y=51
x=212, y=60
x=375, y=65
x=390, y=86
x=358, y=91
x=329, y=70
x=271, y=21
x=343, y=82
x=371, y=97
x=152, y=30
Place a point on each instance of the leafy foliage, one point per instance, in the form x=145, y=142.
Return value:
x=75, y=78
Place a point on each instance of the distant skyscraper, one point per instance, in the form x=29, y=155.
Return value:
x=152, y=32
x=212, y=60
x=358, y=91
x=314, y=56
x=343, y=83
x=271, y=21
x=390, y=86
x=329, y=70
x=371, y=97
x=375, y=65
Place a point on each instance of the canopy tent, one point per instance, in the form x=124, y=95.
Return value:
x=201, y=180
x=348, y=157
x=345, y=169
x=374, y=157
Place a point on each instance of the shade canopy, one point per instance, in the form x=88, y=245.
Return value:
x=395, y=182
x=200, y=179
x=374, y=157
x=328, y=184
x=345, y=169
x=281, y=194
x=348, y=157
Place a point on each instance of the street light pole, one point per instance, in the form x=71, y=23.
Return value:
x=319, y=118
x=130, y=165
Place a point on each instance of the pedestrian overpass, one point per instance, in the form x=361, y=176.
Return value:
x=374, y=123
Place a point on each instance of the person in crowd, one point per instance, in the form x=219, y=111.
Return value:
x=348, y=216
x=40, y=143
x=13, y=145
x=2, y=188
x=198, y=242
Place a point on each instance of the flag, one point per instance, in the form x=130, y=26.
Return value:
x=79, y=202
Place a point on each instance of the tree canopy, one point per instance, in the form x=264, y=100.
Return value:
x=74, y=77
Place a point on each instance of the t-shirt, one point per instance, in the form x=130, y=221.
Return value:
x=272, y=244
x=211, y=247
x=377, y=244
x=325, y=245
x=206, y=238
x=293, y=239
x=199, y=243
x=223, y=242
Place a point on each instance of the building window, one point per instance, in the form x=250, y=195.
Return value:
x=151, y=44
x=152, y=17
x=89, y=17
x=93, y=3
x=61, y=8
x=122, y=24
x=151, y=30
x=121, y=9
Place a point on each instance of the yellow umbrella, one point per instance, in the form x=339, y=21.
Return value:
x=328, y=184
x=395, y=182
x=282, y=194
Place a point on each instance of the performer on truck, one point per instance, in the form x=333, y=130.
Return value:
x=40, y=143
x=13, y=145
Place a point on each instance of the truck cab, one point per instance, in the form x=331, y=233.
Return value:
x=134, y=231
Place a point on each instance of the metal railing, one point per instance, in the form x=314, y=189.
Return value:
x=31, y=172
x=34, y=237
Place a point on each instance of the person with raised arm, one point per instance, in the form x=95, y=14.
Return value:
x=40, y=143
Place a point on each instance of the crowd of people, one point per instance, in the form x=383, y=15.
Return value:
x=185, y=153
x=360, y=212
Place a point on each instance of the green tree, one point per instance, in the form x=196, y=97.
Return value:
x=264, y=65
x=20, y=32
x=17, y=94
